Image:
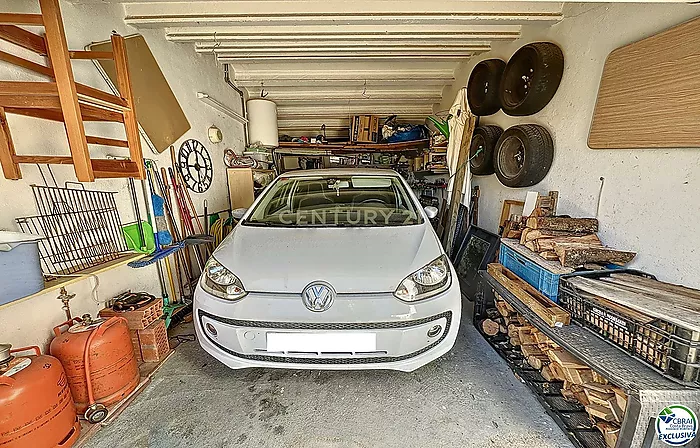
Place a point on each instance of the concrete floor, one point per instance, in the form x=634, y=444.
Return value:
x=468, y=398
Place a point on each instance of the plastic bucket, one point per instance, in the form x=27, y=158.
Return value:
x=20, y=266
x=133, y=240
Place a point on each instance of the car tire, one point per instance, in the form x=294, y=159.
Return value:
x=484, y=138
x=483, y=87
x=531, y=78
x=523, y=156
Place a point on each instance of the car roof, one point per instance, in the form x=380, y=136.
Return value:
x=331, y=172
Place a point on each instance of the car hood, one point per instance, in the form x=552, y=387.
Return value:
x=351, y=259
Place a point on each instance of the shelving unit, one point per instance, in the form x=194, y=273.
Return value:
x=64, y=100
x=649, y=391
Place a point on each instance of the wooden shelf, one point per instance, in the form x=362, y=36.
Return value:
x=415, y=145
x=54, y=285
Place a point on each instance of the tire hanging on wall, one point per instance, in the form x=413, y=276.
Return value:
x=531, y=78
x=483, y=87
x=484, y=140
x=523, y=156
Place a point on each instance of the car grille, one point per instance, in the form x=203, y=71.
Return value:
x=328, y=326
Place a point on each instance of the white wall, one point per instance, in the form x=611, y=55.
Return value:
x=650, y=199
x=30, y=322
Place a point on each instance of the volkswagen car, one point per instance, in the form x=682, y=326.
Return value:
x=330, y=269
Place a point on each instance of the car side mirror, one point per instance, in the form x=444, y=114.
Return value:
x=431, y=211
x=238, y=213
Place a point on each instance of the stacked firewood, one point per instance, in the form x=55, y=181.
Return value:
x=605, y=403
x=571, y=241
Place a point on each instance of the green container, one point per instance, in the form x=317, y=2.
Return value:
x=133, y=241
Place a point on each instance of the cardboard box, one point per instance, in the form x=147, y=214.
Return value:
x=364, y=128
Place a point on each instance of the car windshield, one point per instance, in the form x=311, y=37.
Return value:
x=338, y=201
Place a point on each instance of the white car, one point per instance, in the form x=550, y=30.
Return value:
x=330, y=269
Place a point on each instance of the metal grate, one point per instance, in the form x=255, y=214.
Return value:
x=81, y=227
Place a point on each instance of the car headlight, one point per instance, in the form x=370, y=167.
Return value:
x=220, y=282
x=431, y=279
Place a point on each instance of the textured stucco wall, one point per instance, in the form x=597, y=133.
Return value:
x=30, y=322
x=650, y=199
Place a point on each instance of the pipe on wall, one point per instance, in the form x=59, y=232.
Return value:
x=227, y=79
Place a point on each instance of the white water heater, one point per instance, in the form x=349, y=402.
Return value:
x=262, y=122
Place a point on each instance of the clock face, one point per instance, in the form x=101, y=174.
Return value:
x=195, y=166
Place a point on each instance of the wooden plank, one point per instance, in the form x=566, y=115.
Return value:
x=29, y=101
x=550, y=312
x=90, y=55
x=106, y=141
x=10, y=168
x=90, y=93
x=67, y=92
x=678, y=315
x=649, y=94
x=671, y=298
x=680, y=290
x=7, y=18
x=131, y=126
x=51, y=160
x=105, y=169
x=21, y=62
x=458, y=182
x=600, y=412
x=240, y=187
x=547, y=244
x=23, y=38
x=13, y=88
x=55, y=114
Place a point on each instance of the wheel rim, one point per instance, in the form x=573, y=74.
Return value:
x=518, y=78
x=511, y=157
x=478, y=143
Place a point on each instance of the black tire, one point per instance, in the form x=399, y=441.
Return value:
x=484, y=138
x=523, y=156
x=531, y=78
x=484, y=86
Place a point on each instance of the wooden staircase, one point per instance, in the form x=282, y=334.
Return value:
x=62, y=99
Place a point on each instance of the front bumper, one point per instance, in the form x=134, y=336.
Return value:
x=402, y=340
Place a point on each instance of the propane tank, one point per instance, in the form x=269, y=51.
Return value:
x=37, y=407
x=99, y=360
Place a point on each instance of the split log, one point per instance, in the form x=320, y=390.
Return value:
x=548, y=373
x=536, y=234
x=502, y=308
x=566, y=360
x=490, y=327
x=610, y=433
x=538, y=362
x=514, y=234
x=530, y=245
x=547, y=244
x=523, y=235
x=514, y=341
x=549, y=255
x=579, y=376
x=572, y=255
x=600, y=412
x=581, y=225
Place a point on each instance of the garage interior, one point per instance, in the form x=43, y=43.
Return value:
x=557, y=143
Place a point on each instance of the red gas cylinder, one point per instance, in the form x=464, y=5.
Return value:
x=99, y=360
x=37, y=409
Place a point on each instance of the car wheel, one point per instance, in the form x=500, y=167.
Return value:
x=483, y=145
x=483, y=87
x=523, y=156
x=531, y=78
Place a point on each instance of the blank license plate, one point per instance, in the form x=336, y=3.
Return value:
x=321, y=342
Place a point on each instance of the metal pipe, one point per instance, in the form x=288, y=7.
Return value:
x=227, y=79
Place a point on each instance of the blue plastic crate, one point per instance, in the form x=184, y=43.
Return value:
x=546, y=282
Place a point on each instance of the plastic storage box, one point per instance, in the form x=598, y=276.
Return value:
x=545, y=281
x=20, y=266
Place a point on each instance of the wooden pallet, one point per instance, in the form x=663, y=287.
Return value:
x=549, y=311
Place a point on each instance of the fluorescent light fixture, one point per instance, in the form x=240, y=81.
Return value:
x=206, y=99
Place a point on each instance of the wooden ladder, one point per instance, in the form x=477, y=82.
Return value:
x=64, y=100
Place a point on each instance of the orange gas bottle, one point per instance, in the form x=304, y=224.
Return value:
x=36, y=408
x=99, y=360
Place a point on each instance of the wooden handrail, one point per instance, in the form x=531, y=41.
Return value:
x=106, y=141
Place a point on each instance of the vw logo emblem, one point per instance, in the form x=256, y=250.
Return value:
x=318, y=296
